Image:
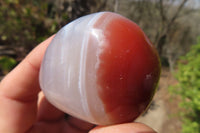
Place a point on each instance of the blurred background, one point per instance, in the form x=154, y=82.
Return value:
x=173, y=26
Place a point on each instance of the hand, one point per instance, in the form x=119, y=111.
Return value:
x=24, y=109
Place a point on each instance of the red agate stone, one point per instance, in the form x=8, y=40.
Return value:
x=101, y=68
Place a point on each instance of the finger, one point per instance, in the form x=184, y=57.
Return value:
x=19, y=83
x=18, y=93
x=71, y=125
x=79, y=124
x=46, y=111
x=123, y=128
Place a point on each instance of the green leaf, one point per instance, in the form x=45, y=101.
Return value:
x=7, y=63
x=188, y=88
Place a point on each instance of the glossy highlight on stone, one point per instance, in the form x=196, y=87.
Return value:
x=100, y=68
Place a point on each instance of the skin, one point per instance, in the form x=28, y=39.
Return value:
x=24, y=109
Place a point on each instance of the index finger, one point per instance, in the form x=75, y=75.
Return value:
x=18, y=83
x=19, y=92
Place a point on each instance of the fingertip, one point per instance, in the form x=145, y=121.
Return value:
x=124, y=128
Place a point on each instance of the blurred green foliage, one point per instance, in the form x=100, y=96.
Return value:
x=26, y=22
x=23, y=25
x=7, y=63
x=188, y=88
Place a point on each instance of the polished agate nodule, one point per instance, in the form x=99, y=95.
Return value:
x=100, y=68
